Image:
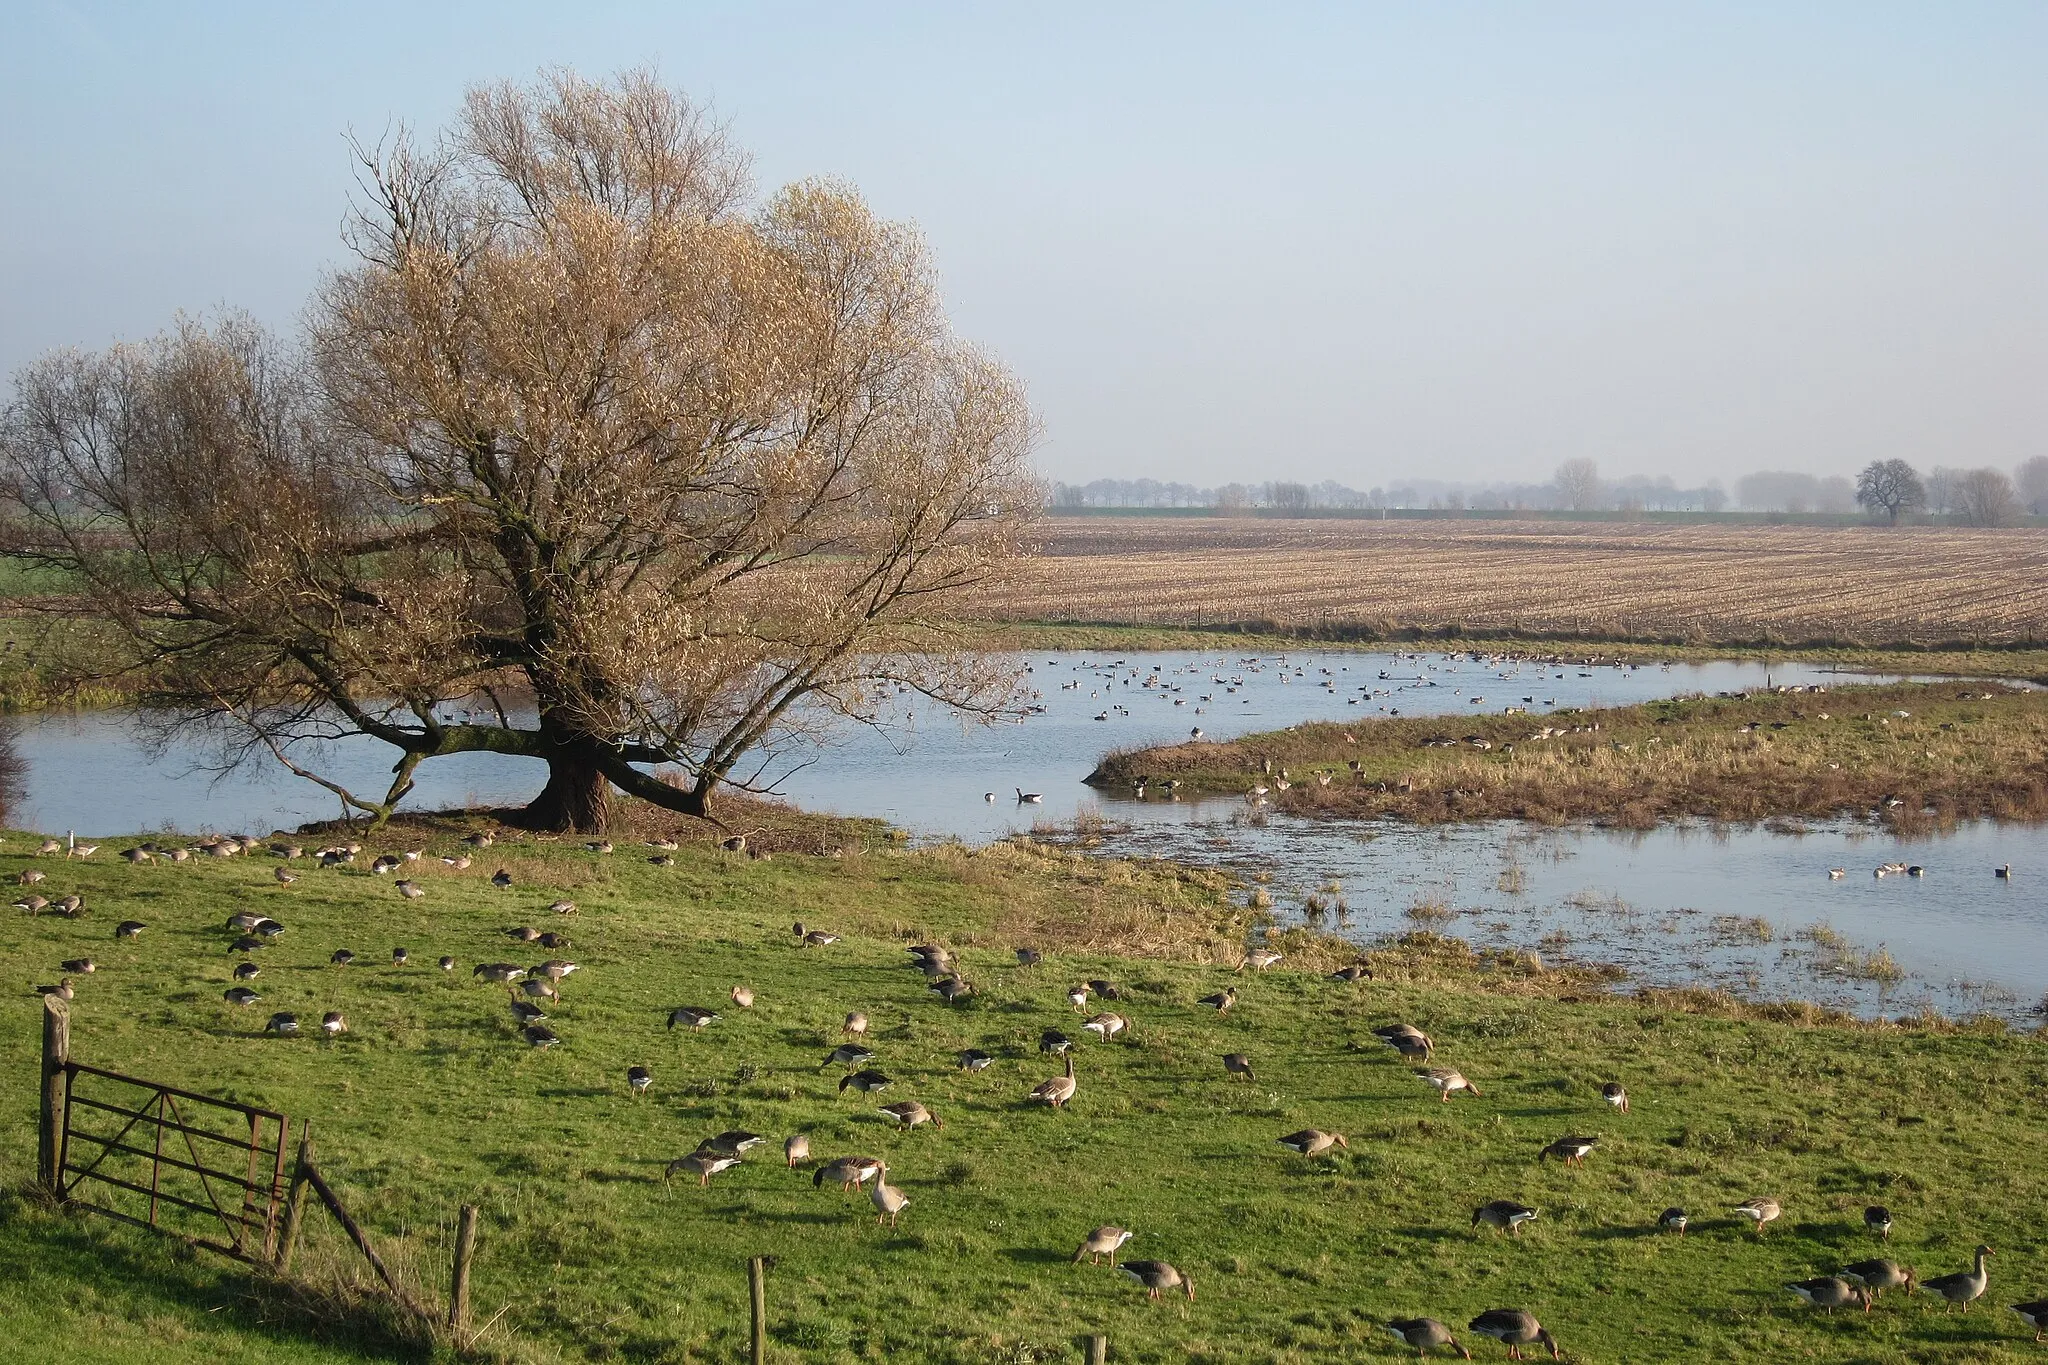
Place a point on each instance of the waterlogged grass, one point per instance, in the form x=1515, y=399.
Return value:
x=1918, y=753
x=432, y=1100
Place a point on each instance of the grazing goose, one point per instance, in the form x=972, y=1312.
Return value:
x=481, y=839
x=1964, y=1287
x=411, y=890
x=1057, y=1091
x=333, y=1022
x=910, y=1113
x=638, y=1078
x=1237, y=1064
x=1107, y=1026
x=33, y=904
x=974, y=1059
x=134, y=856
x=1878, y=1276
x=599, y=845
x=446, y=964
x=1053, y=1041
x=79, y=966
x=554, y=969
x=1107, y=990
x=341, y=957
x=553, y=941
x=849, y=1171
x=244, y=920
x=732, y=1142
x=1359, y=972
x=1613, y=1093
x=1259, y=959
x=1029, y=957
x=847, y=1054
x=743, y=996
x=1515, y=1329
x=240, y=996
x=62, y=990
x=1393, y=1035
x=1158, y=1275
x=30, y=877
x=797, y=1148
x=284, y=876
x=702, y=1164
x=386, y=863
x=1830, y=1292
x=400, y=956
x=1760, y=1211
x=460, y=862
x=1674, y=1218
x=1571, y=1150
x=1447, y=1081
x=817, y=938
x=1423, y=1333
x=267, y=928
x=246, y=944
x=563, y=907
x=1078, y=997
x=527, y=1013
x=1104, y=1241
x=867, y=1082
x=1312, y=1142
x=2036, y=1316
x=951, y=988
x=1503, y=1215
x=282, y=1023
x=246, y=971
x=522, y=933
x=1221, y=1001
x=1878, y=1219
x=889, y=1201
x=500, y=972
x=540, y=988
x=71, y=906
x=50, y=846
x=502, y=879
x=540, y=1035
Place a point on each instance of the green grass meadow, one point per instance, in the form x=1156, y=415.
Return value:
x=432, y=1100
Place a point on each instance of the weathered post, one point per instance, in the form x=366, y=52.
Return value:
x=757, y=1290
x=458, y=1294
x=50, y=1128
x=295, y=1200
x=1098, y=1349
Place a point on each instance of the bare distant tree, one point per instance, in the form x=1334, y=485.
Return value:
x=1944, y=487
x=1578, y=485
x=586, y=460
x=1888, y=488
x=1985, y=497
x=1289, y=497
x=2031, y=479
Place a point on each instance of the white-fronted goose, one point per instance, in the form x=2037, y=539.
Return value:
x=951, y=989
x=1057, y=1091
x=483, y=838
x=1447, y=1082
x=246, y=971
x=1759, y=1211
x=797, y=1148
x=1830, y=1292
x=554, y=969
x=867, y=1082
x=333, y=1022
x=910, y=1113
x=522, y=933
x=743, y=996
x=1029, y=957
x=1503, y=1215
x=2036, y=1316
x=400, y=956
x=1423, y=1333
x=35, y=905
x=1053, y=1041
x=539, y=988
x=974, y=1059
x=1104, y=1241
x=502, y=973
x=1615, y=1095
x=1237, y=1064
x=1157, y=1276
x=1964, y=1287
x=50, y=846
x=137, y=856
x=702, y=1164
x=1570, y=1149
x=692, y=1017
x=1675, y=1219
x=1221, y=1001
x=1878, y=1219
x=1106, y=990
x=638, y=1079
x=1312, y=1142
x=526, y=1012
x=847, y=1054
x=240, y=996
x=29, y=877
x=732, y=1142
x=848, y=1171
x=1515, y=1329
x=1878, y=1276
x=282, y=1023
x=79, y=966
x=1107, y=1026
x=539, y=1035
x=889, y=1201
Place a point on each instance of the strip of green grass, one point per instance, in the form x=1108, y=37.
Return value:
x=432, y=1100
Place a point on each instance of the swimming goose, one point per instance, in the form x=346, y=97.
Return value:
x=2036, y=1316
x=1571, y=1150
x=282, y=1023
x=849, y=1171
x=246, y=971
x=1057, y=1091
x=974, y=1059
x=239, y=995
x=1761, y=1211
x=62, y=990
x=910, y=1113
x=2004, y=874
x=1359, y=972
x=1423, y=1333
x=847, y=1054
x=1158, y=1275
x=1878, y=1219
x=1613, y=1093
x=79, y=966
x=1237, y=1064
x=1221, y=1001
x=1025, y=798
x=1964, y=1287
x=539, y=1035
x=1878, y=1276
x=1312, y=1142
x=1107, y=1026
x=1503, y=1215
x=1447, y=1081
x=798, y=1148
x=638, y=1078
x=1830, y=1292
x=1515, y=1329
x=1836, y=874
x=1673, y=1218
x=1104, y=1241
x=743, y=996
x=702, y=1164
x=867, y=1082
x=333, y=1022
x=888, y=1200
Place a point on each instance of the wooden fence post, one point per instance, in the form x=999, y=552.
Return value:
x=362, y=1241
x=1098, y=1349
x=295, y=1200
x=50, y=1129
x=757, y=1291
x=458, y=1293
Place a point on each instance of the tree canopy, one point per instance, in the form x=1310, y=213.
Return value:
x=1889, y=488
x=586, y=457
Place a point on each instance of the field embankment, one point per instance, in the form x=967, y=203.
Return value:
x=1804, y=585
x=1917, y=753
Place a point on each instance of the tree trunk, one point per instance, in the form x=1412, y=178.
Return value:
x=577, y=798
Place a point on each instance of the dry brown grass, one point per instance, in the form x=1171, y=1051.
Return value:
x=1794, y=584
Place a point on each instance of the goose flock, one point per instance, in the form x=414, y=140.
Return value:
x=533, y=989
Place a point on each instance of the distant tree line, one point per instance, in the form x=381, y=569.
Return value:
x=1889, y=490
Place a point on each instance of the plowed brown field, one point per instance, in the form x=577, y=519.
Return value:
x=1868, y=585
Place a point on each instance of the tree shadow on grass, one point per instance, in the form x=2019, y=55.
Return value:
x=1033, y=1255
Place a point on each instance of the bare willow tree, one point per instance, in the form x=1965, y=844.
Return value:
x=586, y=458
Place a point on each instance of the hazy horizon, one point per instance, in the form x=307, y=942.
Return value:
x=1311, y=243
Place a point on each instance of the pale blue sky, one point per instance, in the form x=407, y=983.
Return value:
x=1347, y=241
